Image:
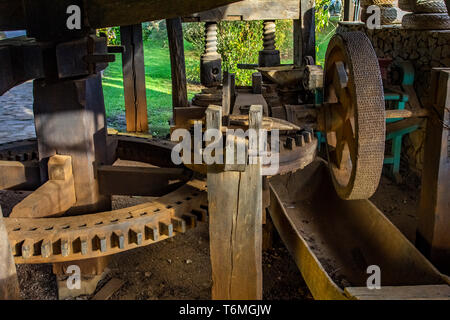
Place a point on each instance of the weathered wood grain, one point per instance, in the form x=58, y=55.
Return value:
x=177, y=62
x=134, y=78
x=235, y=207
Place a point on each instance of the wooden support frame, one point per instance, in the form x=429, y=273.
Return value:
x=134, y=78
x=433, y=236
x=235, y=208
x=305, y=33
x=177, y=63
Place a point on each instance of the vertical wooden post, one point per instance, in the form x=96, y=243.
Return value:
x=177, y=62
x=70, y=120
x=433, y=234
x=235, y=206
x=349, y=10
x=305, y=33
x=228, y=92
x=134, y=78
x=9, y=285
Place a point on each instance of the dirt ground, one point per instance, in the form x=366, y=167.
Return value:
x=179, y=268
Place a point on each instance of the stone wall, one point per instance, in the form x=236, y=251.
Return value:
x=425, y=49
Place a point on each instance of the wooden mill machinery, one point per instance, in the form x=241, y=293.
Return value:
x=318, y=206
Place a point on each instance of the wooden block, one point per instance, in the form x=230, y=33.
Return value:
x=60, y=167
x=108, y=289
x=54, y=197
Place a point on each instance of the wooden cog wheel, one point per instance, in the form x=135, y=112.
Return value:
x=354, y=115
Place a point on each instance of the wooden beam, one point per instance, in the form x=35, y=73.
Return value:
x=140, y=181
x=19, y=175
x=305, y=32
x=110, y=13
x=54, y=197
x=250, y=10
x=177, y=63
x=134, y=78
x=9, y=284
x=235, y=207
x=70, y=120
x=433, y=236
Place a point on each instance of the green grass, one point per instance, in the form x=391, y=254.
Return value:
x=323, y=38
x=159, y=85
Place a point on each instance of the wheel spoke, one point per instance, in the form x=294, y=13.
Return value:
x=350, y=140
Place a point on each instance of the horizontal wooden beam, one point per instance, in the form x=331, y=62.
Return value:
x=109, y=13
x=19, y=175
x=250, y=10
x=140, y=181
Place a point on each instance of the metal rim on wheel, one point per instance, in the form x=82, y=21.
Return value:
x=355, y=121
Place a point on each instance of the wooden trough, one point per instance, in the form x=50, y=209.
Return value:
x=334, y=241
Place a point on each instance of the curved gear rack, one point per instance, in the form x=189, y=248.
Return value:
x=67, y=238
x=47, y=240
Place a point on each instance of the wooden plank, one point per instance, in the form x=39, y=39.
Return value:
x=304, y=32
x=108, y=289
x=235, y=207
x=9, y=284
x=433, y=236
x=250, y=10
x=134, y=78
x=424, y=292
x=140, y=181
x=54, y=197
x=178, y=63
